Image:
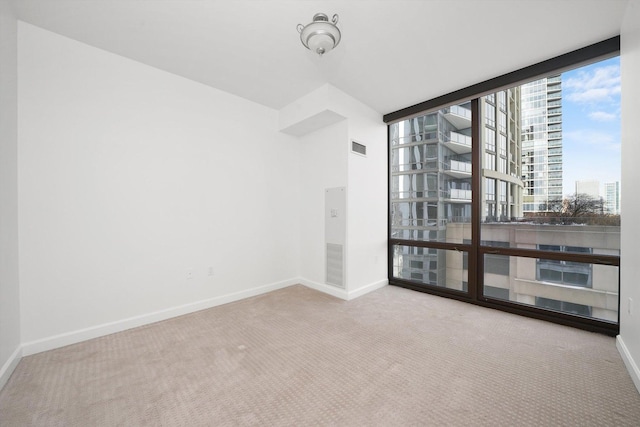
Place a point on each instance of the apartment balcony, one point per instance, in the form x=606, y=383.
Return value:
x=416, y=195
x=457, y=195
x=417, y=224
x=555, y=143
x=459, y=220
x=416, y=139
x=457, y=142
x=458, y=116
x=554, y=95
x=457, y=169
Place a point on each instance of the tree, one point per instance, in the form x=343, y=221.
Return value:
x=581, y=205
x=576, y=208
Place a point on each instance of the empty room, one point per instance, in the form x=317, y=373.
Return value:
x=281, y=212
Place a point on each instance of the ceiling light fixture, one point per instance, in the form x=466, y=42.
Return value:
x=320, y=36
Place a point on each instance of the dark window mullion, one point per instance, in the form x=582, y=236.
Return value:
x=476, y=270
x=553, y=255
x=431, y=244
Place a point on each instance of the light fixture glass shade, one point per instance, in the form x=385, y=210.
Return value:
x=320, y=36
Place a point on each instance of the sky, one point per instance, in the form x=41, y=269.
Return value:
x=591, y=124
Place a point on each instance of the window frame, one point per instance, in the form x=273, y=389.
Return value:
x=476, y=250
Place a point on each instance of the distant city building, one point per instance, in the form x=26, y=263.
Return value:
x=612, y=198
x=590, y=188
x=541, y=106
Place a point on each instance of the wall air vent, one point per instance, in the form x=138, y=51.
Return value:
x=358, y=148
x=335, y=265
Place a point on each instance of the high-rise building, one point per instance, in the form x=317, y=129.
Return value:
x=431, y=178
x=612, y=198
x=431, y=173
x=591, y=188
x=501, y=162
x=541, y=106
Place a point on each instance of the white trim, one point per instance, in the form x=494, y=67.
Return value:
x=10, y=366
x=366, y=289
x=631, y=365
x=341, y=293
x=327, y=289
x=74, y=337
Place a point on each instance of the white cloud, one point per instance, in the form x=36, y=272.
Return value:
x=600, y=84
x=602, y=116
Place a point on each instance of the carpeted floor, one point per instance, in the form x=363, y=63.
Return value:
x=297, y=357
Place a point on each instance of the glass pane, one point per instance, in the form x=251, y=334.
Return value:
x=554, y=181
x=431, y=176
x=430, y=266
x=570, y=287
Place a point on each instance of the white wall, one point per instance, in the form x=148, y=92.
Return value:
x=328, y=120
x=9, y=285
x=367, y=198
x=131, y=176
x=629, y=338
x=323, y=164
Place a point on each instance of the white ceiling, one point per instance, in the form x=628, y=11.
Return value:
x=393, y=53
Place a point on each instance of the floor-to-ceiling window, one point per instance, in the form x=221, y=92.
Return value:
x=510, y=197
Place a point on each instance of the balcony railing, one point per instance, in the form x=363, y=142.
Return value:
x=457, y=166
x=458, y=111
x=457, y=194
x=418, y=222
x=457, y=142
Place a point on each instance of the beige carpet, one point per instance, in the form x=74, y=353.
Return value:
x=296, y=357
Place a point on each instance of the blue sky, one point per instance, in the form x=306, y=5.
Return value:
x=591, y=124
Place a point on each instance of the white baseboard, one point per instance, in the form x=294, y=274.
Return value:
x=80, y=335
x=327, y=289
x=341, y=293
x=631, y=365
x=74, y=337
x=10, y=366
x=367, y=288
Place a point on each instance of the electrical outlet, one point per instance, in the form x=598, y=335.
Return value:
x=189, y=274
x=210, y=271
x=630, y=307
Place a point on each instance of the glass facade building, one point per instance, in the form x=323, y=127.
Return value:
x=612, y=198
x=541, y=144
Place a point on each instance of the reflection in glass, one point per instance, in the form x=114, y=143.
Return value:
x=430, y=266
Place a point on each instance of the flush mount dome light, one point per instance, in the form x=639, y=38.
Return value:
x=320, y=36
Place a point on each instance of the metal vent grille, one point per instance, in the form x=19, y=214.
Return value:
x=335, y=265
x=358, y=148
